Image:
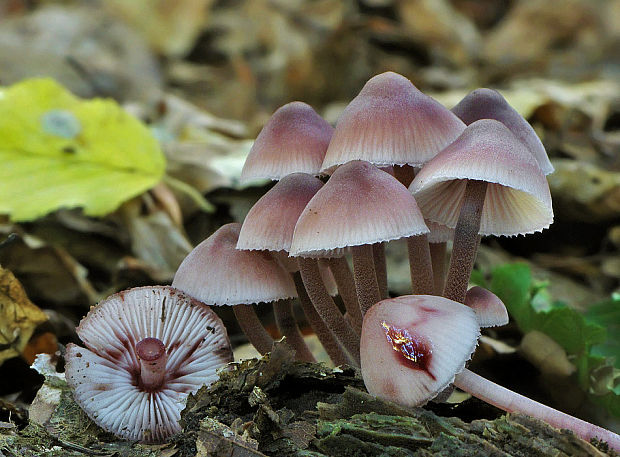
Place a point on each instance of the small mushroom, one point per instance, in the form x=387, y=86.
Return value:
x=485, y=183
x=359, y=206
x=293, y=140
x=146, y=350
x=414, y=346
x=391, y=122
x=218, y=274
x=489, y=104
x=490, y=310
x=269, y=226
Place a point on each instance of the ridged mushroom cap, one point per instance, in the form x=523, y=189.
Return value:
x=391, y=122
x=217, y=273
x=490, y=104
x=517, y=201
x=490, y=310
x=412, y=346
x=360, y=204
x=104, y=376
x=270, y=223
x=293, y=140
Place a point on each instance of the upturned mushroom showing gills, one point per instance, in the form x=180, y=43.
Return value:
x=414, y=346
x=146, y=350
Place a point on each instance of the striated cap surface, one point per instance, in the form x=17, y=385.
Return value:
x=490, y=104
x=391, y=122
x=412, y=346
x=217, y=273
x=517, y=201
x=293, y=140
x=360, y=204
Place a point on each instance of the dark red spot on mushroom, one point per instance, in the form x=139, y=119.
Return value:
x=411, y=351
x=428, y=310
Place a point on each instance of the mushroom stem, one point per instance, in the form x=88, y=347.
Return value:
x=327, y=309
x=465, y=241
x=152, y=355
x=510, y=401
x=252, y=328
x=438, y=261
x=420, y=265
x=366, y=285
x=285, y=320
x=327, y=338
x=346, y=288
x=378, y=256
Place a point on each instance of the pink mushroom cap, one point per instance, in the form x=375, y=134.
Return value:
x=412, y=346
x=270, y=223
x=391, y=122
x=517, y=200
x=490, y=310
x=490, y=104
x=293, y=140
x=360, y=204
x=217, y=273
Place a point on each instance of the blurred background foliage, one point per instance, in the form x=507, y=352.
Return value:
x=205, y=75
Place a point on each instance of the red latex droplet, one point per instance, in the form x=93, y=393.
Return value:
x=411, y=351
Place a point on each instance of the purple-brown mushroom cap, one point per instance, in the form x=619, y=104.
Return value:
x=270, y=223
x=105, y=375
x=490, y=310
x=360, y=204
x=391, y=122
x=293, y=140
x=490, y=104
x=517, y=200
x=217, y=273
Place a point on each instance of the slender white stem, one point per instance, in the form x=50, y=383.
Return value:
x=511, y=401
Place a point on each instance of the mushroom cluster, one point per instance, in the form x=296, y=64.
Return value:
x=398, y=165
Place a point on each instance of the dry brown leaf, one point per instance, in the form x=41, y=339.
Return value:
x=18, y=316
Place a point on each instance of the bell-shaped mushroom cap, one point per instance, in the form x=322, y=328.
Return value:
x=360, y=204
x=293, y=140
x=391, y=122
x=217, y=273
x=105, y=375
x=412, y=346
x=490, y=310
x=270, y=223
x=489, y=104
x=517, y=200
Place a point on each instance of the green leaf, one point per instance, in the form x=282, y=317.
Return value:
x=591, y=340
x=512, y=284
x=58, y=151
x=607, y=314
x=569, y=328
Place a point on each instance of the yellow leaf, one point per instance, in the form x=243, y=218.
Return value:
x=18, y=316
x=57, y=150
